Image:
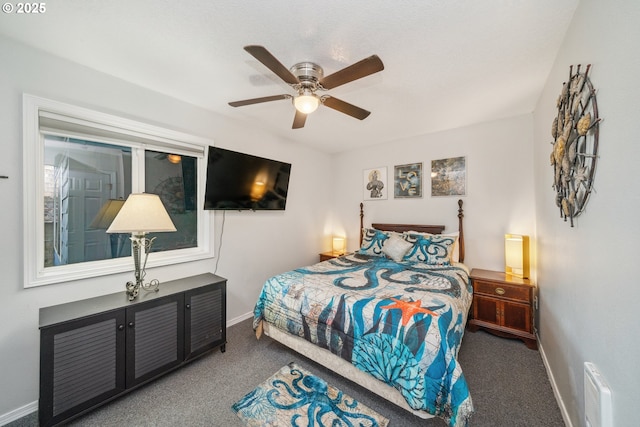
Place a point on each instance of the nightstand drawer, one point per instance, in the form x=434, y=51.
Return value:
x=502, y=290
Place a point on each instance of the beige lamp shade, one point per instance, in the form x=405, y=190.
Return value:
x=107, y=214
x=516, y=255
x=339, y=245
x=142, y=213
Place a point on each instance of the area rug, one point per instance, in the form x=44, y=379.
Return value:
x=295, y=397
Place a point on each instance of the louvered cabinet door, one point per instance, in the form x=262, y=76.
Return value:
x=155, y=338
x=205, y=319
x=82, y=364
x=97, y=349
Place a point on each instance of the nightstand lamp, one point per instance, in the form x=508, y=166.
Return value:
x=339, y=245
x=516, y=255
x=141, y=213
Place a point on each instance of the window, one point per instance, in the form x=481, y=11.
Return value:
x=80, y=177
x=78, y=165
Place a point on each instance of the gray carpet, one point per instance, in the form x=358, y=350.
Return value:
x=508, y=384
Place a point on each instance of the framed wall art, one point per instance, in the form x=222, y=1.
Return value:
x=449, y=177
x=407, y=181
x=375, y=184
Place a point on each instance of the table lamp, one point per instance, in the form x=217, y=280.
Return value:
x=141, y=213
x=516, y=255
x=339, y=245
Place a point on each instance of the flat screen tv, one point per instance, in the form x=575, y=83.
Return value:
x=239, y=181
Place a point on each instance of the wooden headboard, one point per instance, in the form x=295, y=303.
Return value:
x=433, y=229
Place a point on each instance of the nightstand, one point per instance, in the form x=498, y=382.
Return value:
x=503, y=305
x=329, y=255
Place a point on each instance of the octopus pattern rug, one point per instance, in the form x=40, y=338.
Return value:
x=295, y=397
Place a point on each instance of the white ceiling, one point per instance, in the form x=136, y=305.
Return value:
x=448, y=63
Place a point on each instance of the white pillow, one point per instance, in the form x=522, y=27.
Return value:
x=455, y=257
x=395, y=247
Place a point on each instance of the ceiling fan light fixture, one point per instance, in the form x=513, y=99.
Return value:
x=306, y=103
x=308, y=77
x=174, y=158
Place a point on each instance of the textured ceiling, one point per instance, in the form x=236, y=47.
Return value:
x=448, y=63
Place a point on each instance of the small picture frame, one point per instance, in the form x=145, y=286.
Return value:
x=449, y=177
x=407, y=181
x=375, y=184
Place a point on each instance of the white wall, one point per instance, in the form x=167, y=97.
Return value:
x=255, y=246
x=499, y=196
x=587, y=274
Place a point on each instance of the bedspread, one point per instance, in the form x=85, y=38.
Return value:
x=400, y=322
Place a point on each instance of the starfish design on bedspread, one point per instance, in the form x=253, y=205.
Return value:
x=413, y=275
x=409, y=309
x=401, y=322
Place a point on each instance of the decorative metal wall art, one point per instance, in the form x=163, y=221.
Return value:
x=575, y=145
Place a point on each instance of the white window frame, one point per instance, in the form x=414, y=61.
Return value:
x=112, y=130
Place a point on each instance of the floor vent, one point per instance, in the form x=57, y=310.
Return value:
x=597, y=398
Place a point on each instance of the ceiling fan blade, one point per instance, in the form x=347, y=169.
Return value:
x=360, y=69
x=345, y=107
x=299, y=120
x=259, y=100
x=270, y=61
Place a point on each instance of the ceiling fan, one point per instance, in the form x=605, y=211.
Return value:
x=306, y=78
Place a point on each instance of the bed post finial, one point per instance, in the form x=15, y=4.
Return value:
x=361, y=220
x=461, y=237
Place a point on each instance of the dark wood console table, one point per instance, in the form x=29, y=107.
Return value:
x=94, y=350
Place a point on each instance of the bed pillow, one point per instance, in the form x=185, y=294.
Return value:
x=396, y=247
x=372, y=242
x=455, y=255
x=430, y=249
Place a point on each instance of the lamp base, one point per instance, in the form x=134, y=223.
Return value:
x=133, y=289
x=141, y=245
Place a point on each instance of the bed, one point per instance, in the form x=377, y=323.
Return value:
x=389, y=317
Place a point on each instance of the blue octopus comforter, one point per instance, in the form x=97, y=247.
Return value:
x=400, y=322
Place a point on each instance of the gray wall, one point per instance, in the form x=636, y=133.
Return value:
x=586, y=274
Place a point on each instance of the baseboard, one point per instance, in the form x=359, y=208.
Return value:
x=239, y=319
x=554, y=386
x=16, y=414
x=33, y=406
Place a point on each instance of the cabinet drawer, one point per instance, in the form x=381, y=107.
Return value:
x=502, y=290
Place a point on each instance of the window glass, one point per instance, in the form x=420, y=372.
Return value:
x=80, y=177
x=173, y=177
